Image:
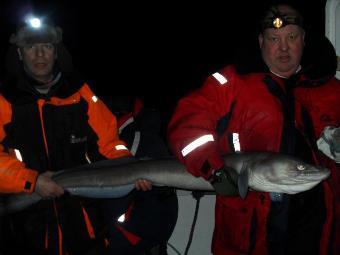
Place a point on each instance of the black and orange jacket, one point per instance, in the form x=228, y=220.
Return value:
x=65, y=128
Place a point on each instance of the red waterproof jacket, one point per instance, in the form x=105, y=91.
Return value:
x=233, y=112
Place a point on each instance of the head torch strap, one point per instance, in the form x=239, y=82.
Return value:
x=278, y=20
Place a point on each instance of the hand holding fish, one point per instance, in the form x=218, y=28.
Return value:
x=46, y=187
x=270, y=172
x=143, y=185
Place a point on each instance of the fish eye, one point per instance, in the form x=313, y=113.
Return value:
x=301, y=167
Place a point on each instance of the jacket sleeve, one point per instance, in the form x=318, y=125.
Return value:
x=326, y=117
x=326, y=99
x=104, y=124
x=192, y=132
x=14, y=176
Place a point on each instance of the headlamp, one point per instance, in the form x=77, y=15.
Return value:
x=278, y=20
x=36, y=30
x=34, y=22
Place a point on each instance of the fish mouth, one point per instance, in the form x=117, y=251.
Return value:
x=313, y=175
x=301, y=181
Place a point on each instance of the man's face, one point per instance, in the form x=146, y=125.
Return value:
x=38, y=60
x=282, y=49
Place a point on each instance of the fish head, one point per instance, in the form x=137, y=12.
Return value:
x=286, y=174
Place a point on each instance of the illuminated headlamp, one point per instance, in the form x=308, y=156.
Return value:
x=36, y=30
x=34, y=22
x=278, y=20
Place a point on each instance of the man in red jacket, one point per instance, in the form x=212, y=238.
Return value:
x=278, y=109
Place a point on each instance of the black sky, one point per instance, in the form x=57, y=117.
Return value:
x=165, y=48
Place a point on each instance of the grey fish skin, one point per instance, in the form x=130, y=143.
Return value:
x=275, y=172
x=267, y=172
x=161, y=172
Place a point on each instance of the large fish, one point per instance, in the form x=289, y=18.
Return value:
x=268, y=172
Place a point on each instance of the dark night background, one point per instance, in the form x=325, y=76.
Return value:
x=159, y=51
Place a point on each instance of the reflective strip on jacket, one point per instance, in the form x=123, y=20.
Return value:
x=233, y=112
x=49, y=133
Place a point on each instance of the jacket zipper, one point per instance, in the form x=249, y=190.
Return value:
x=41, y=103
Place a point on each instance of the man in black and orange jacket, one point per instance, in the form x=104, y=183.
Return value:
x=51, y=120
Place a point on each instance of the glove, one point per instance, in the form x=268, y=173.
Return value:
x=329, y=143
x=225, y=181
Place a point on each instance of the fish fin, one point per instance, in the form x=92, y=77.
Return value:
x=243, y=180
